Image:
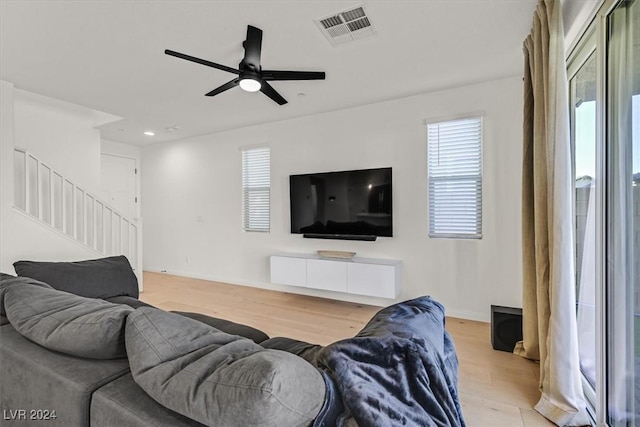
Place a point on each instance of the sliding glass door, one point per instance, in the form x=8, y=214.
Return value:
x=604, y=73
x=583, y=130
x=623, y=215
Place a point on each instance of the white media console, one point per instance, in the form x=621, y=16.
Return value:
x=361, y=276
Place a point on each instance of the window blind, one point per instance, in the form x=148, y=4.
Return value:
x=256, y=183
x=455, y=178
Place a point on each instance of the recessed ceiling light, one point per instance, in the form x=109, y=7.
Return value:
x=149, y=133
x=301, y=94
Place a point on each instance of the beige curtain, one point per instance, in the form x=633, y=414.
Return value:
x=549, y=314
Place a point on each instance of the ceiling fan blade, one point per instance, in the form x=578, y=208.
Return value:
x=268, y=90
x=201, y=61
x=233, y=83
x=292, y=75
x=252, y=48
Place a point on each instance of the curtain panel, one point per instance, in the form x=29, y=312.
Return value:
x=549, y=314
x=620, y=205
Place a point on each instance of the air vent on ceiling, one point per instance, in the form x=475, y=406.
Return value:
x=352, y=24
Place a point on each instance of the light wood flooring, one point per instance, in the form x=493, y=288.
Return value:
x=496, y=388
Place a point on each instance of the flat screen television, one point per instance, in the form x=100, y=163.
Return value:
x=343, y=204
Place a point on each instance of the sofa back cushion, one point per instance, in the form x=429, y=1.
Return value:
x=67, y=323
x=219, y=379
x=7, y=281
x=96, y=278
x=227, y=326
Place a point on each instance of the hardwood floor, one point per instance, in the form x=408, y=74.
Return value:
x=496, y=388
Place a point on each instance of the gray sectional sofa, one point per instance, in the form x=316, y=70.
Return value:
x=77, y=348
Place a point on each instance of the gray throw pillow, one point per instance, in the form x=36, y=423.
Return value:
x=7, y=281
x=67, y=323
x=94, y=278
x=219, y=379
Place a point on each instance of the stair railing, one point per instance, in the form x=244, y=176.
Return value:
x=45, y=194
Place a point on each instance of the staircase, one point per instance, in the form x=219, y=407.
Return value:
x=57, y=203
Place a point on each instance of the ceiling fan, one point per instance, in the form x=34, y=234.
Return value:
x=251, y=76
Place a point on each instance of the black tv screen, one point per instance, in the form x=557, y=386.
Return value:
x=357, y=202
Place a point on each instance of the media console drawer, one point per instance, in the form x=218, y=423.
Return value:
x=361, y=276
x=327, y=274
x=289, y=271
x=372, y=279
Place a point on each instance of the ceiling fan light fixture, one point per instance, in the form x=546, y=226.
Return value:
x=250, y=75
x=250, y=85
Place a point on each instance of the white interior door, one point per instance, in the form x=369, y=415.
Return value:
x=119, y=184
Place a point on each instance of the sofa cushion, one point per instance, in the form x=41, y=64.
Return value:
x=308, y=352
x=96, y=278
x=7, y=281
x=219, y=379
x=67, y=323
x=227, y=326
x=130, y=301
x=123, y=403
x=32, y=377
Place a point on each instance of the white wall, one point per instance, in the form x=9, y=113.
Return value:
x=35, y=123
x=192, y=191
x=120, y=149
x=64, y=136
x=59, y=134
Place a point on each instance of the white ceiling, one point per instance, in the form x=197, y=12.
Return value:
x=108, y=55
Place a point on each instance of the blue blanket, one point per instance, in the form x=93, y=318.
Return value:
x=400, y=370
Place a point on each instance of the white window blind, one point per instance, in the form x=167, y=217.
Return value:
x=256, y=182
x=455, y=178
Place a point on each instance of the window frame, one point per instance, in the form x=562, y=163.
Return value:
x=579, y=55
x=248, y=190
x=479, y=178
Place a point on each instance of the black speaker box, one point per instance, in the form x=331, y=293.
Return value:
x=506, y=327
